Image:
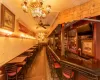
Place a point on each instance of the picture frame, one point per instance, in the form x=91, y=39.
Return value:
x=87, y=47
x=72, y=41
x=7, y=19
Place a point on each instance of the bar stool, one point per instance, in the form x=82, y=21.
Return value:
x=67, y=73
x=56, y=71
x=13, y=72
x=55, y=68
x=49, y=60
x=53, y=65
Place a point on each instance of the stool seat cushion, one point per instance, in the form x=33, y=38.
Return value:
x=67, y=75
x=57, y=65
x=14, y=73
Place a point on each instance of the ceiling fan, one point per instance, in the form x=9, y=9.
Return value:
x=43, y=25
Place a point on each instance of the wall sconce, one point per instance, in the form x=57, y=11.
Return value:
x=5, y=33
x=23, y=35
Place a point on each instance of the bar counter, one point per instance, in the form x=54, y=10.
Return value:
x=89, y=69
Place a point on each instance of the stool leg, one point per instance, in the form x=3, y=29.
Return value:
x=16, y=76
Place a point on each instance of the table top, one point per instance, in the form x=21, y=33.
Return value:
x=33, y=47
x=18, y=59
x=27, y=54
x=29, y=50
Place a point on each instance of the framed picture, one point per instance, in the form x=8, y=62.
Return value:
x=7, y=19
x=87, y=47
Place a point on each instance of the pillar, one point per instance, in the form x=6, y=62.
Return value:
x=62, y=40
x=54, y=41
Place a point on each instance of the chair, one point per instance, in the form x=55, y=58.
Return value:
x=67, y=73
x=13, y=72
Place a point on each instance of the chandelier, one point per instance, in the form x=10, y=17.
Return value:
x=35, y=7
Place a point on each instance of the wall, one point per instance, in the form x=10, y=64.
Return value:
x=91, y=8
x=12, y=47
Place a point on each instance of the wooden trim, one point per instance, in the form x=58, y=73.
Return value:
x=9, y=23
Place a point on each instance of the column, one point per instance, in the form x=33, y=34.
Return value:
x=62, y=40
x=54, y=41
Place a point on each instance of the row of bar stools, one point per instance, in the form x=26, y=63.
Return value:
x=63, y=72
x=31, y=55
x=67, y=72
x=54, y=66
x=13, y=72
x=16, y=70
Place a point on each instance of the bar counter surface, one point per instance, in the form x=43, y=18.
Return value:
x=89, y=69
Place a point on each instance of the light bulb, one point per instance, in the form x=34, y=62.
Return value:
x=34, y=1
x=25, y=9
x=48, y=8
x=43, y=15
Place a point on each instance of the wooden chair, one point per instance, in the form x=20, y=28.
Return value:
x=13, y=72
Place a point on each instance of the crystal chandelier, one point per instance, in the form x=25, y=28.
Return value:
x=36, y=8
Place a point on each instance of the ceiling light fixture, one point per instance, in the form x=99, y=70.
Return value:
x=36, y=8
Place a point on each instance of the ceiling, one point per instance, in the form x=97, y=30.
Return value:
x=56, y=5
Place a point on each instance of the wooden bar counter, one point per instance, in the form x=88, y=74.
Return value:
x=91, y=70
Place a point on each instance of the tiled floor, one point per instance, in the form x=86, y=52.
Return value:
x=39, y=69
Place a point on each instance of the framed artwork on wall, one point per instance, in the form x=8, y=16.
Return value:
x=7, y=19
x=87, y=47
x=72, y=40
